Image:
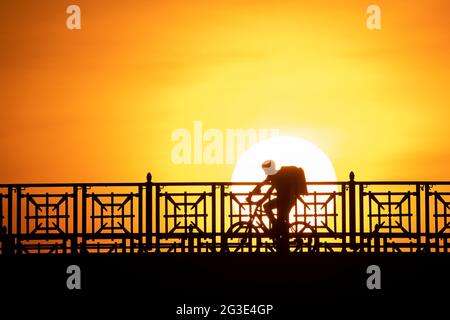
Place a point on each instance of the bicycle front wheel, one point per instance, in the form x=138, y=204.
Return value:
x=303, y=237
x=242, y=236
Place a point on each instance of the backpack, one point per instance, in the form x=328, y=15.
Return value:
x=295, y=176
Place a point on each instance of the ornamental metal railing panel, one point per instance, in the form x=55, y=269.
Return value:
x=217, y=217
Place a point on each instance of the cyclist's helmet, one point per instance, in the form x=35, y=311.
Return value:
x=269, y=167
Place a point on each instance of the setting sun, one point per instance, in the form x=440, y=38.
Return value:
x=286, y=151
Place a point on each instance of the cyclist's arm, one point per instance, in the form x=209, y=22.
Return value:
x=257, y=189
x=266, y=195
x=258, y=186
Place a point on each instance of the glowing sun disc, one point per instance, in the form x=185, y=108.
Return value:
x=285, y=150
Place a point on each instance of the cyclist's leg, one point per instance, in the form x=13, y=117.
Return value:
x=283, y=238
x=284, y=207
x=268, y=207
x=274, y=230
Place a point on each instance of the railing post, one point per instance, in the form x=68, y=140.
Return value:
x=140, y=221
x=1, y=213
x=427, y=217
x=191, y=239
x=157, y=218
x=83, y=218
x=19, y=217
x=418, y=217
x=10, y=237
x=148, y=212
x=10, y=210
x=213, y=220
x=344, y=217
x=74, y=238
x=362, y=238
x=222, y=218
x=2, y=230
x=352, y=209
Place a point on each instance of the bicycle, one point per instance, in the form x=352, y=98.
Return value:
x=250, y=234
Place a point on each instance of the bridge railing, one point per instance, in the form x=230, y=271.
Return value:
x=350, y=216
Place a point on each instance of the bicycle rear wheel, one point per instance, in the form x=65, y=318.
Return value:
x=243, y=236
x=303, y=237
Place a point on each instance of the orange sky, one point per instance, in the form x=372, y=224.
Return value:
x=101, y=103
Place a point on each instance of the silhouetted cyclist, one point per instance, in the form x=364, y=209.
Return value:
x=289, y=182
